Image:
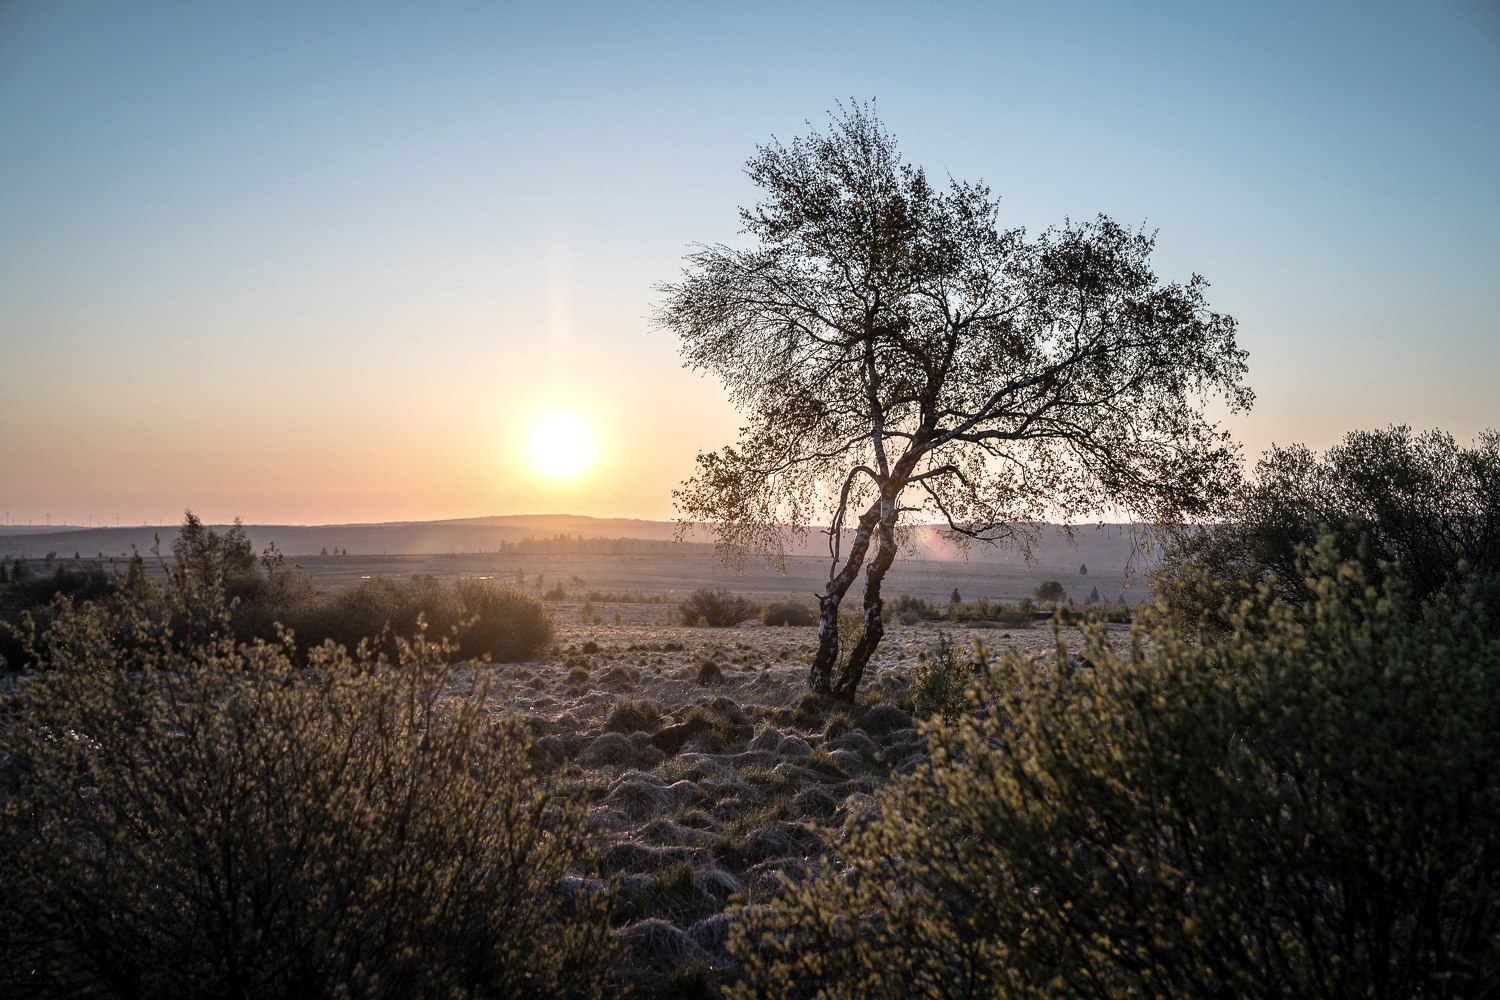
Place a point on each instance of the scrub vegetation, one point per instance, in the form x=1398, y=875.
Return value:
x=1418, y=505
x=188, y=814
x=272, y=603
x=1307, y=806
x=1297, y=797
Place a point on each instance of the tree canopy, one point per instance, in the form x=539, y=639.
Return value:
x=899, y=355
x=1420, y=502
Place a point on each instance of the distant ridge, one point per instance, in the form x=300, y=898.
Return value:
x=1106, y=547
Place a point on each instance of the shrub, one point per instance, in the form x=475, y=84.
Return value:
x=939, y=681
x=498, y=623
x=716, y=608
x=32, y=595
x=1051, y=592
x=502, y=623
x=372, y=609
x=1306, y=808
x=910, y=608
x=788, y=613
x=508, y=625
x=219, y=820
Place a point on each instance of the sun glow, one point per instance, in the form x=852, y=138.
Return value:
x=561, y=446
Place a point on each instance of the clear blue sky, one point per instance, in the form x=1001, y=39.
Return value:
x=327, y=262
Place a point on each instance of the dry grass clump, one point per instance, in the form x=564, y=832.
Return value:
x=788, y=613
x=621, y=751
x=716, y=609
x=655, y=949
x=884, y=721
x=620, y=678
x=640, y=715
x=641, y=798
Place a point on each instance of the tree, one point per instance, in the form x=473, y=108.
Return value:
x=208, y=556
x=1389, y=497
x=1052, y=592
x=898, y=354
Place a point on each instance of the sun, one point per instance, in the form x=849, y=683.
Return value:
x=561, y=446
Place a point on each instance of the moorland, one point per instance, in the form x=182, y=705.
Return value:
x=1269, y=783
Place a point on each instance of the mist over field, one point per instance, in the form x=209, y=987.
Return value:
x=643, y=557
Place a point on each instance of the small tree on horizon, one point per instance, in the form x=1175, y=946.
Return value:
x=207, y=556
x=1051, y=592
x=898, y=353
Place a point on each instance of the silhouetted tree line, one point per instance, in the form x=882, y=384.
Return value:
x=262, y=595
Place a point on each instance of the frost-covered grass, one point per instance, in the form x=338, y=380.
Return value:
x=712, y=774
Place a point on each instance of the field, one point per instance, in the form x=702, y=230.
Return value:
x=686, y=814
x=677, y=575
x=614, y=556
x=715, y=795
x=708, y=770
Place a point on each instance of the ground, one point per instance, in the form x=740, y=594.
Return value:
x=709, y=769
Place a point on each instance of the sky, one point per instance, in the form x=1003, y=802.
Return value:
x=325, y=263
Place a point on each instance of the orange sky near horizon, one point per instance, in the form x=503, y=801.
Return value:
x=329, y=264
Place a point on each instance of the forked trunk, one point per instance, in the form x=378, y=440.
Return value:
x=820, y=678
x=874, y=624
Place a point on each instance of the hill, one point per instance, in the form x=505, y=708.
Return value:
x=1107, y=548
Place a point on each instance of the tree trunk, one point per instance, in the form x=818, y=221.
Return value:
x=820, y=678
x=874, y=624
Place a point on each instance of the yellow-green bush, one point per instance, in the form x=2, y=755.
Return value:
x=223, y=820
x=939, y=681
x=1308, y=808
